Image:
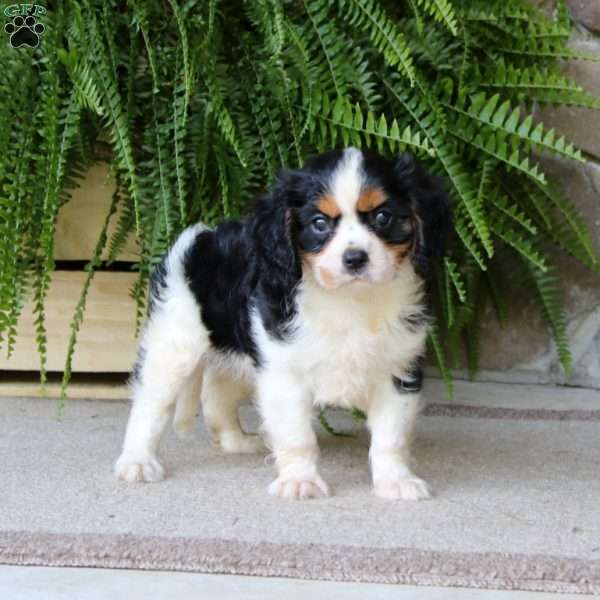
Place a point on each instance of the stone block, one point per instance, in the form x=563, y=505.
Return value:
x=586, y=12
x=579, y=125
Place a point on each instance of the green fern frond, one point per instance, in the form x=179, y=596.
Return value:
x=114, y=112
x=521, y=244
x=187, y=65
x=503, y=204
x=326, y=425
x=559, y=219
x=550, y=295
x=83, y=81
x=78, y=314
x=442, y=11
x=331, y=45
x=500, y=123
x=180, y=107
x=368, y=16
x=494, y=144
x=355, y=127
x=497, y=294
x=216, y=87
x=456, y=279
x=196, y=107
x=435, y=344
x=529, y=84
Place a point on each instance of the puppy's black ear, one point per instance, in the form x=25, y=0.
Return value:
x=274, y=230
x=432, y=214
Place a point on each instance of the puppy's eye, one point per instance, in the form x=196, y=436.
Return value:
x=320, y=224
x=382, y=218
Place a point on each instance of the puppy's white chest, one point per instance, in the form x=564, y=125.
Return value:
x=342, y=347
x=344, y=350
x=341, y=364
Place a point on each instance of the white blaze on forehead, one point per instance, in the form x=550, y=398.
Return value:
x=347, y=180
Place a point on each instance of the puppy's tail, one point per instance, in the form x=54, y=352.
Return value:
x=188, y=404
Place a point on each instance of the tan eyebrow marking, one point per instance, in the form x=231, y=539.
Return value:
x=370, y=198
x=328, y=206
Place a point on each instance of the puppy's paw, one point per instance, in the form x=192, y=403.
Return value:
x=300, y=488
x=403, y=488
x=235, y=442
x=139, y=469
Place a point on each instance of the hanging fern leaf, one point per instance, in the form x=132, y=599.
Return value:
x=521, y=244
x=529, y=84
x=90, y=268
x=353, y=127
x=196, y=107
x=113, y=109
x=383, y=32
x=559, y=218
x=442, y=11
x=455, y=278
x=438, y=352
x=499, y=122
x=548, y=288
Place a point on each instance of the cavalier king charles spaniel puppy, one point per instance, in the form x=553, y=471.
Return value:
x=316, y=300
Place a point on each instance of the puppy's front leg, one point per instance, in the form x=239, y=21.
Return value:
x=391, y=419
x=286, y=411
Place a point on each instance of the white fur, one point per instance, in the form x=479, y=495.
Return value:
x=347, y=180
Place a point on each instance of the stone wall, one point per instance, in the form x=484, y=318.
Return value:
x=523, y=351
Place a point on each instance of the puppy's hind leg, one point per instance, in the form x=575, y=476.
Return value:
x=221, y=399
x=174, y=342
x=188, y=403
x=165, y=368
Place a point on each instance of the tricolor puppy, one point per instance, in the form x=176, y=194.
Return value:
x=317, y=300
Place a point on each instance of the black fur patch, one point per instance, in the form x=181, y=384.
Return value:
x=413, y=383
x=137, y=367
x=415, y=321
x=222, y=269
x=432, y=212
x=158, y=284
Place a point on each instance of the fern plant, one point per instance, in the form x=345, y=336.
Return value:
x=197, y=104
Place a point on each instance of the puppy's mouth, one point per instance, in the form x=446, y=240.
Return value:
x=333, y=281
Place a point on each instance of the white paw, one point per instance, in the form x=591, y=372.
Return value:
x=234, y=442
x=139, y=468
x=403, y=488
x=299, y=488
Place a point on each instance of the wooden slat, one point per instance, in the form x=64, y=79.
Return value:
x=82, y=391
x=80, y=220
x=106, y=341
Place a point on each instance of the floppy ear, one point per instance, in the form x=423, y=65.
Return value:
x=274, y=231
x=431, y=209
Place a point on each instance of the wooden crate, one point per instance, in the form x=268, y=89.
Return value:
x=106, y=340
x=80, y=220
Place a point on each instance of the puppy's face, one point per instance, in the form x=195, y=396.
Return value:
x=356, y=219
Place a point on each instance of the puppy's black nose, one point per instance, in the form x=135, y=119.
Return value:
x=355, y=259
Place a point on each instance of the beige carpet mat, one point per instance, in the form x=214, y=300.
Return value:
x=517, y=502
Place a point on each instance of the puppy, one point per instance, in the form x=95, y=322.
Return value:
x=317, y=300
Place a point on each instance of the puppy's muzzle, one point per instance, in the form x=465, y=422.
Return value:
x=355, y=260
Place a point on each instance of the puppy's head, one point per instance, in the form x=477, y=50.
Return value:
x=353, y=217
